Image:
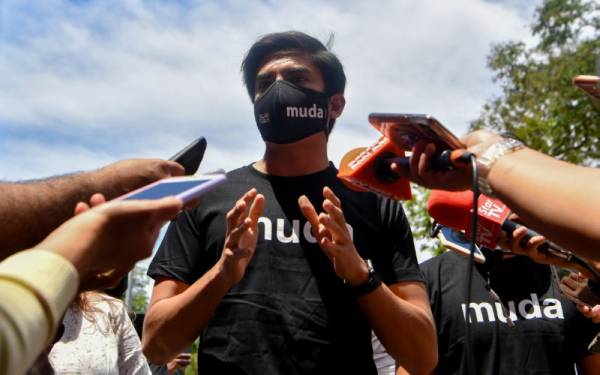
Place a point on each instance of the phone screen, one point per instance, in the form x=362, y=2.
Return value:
x=456, y=241
x=166, y=189
x=405, y=130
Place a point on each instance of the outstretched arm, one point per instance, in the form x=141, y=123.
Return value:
x=558, y=199
x=178, y=312
x=30, y=210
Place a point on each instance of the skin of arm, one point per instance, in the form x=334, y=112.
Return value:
x=112, y=236
x=178, y=312
x=49, y=202
x=557, y=199
x=399, y=314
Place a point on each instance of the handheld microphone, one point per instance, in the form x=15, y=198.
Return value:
x=368, y=169
x=446, y=160
x=453, y=209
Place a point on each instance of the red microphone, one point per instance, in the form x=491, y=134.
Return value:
x=453, y=209
x=368, y=169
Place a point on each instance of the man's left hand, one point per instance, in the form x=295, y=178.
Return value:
x=334, y=238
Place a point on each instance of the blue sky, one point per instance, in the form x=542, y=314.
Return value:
x=86, y=83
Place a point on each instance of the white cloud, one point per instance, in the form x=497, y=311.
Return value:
x=133, y=75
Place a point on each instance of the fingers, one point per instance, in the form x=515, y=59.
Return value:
x=174, y=168
x=415, y=158
x=334, y=222
x=424, y=162
x=237, y=214
x=256, y=209
x=97, y=199
x=329, y=194
x=105, y=280
x=80, y=208
x=309, y=212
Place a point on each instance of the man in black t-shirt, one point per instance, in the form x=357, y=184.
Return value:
x=271, y=286
x=534, y=330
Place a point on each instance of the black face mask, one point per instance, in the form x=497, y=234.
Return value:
x=286, y=113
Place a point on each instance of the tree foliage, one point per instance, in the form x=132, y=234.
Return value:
x=538, y=102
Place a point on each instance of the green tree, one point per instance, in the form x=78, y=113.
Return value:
x=538, y=102
x=139, y=297
x=420, y=223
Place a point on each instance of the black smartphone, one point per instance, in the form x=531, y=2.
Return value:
x=191, y=156
x=405, y=130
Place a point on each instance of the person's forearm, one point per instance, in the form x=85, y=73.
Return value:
x=29, y=211
x=174, y=323
x=36, y=287
x=557, y=199
x=405, y=330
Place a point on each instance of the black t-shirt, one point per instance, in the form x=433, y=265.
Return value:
x=548, y=337
x=290, y=314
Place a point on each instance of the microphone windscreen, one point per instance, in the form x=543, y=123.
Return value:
x=364, y=169
x=451, y=209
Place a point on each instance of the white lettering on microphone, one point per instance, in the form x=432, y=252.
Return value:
x=491, y=209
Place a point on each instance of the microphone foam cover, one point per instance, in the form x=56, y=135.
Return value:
x=359, y=168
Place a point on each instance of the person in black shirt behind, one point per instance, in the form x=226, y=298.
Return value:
x=533, y=330
x=272, y=286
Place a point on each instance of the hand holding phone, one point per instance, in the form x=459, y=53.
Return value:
x=457, y=242
x=405, y=130
x=580, y=290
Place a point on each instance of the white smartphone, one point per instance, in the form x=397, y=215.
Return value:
x=185, y=188
x=456, y=241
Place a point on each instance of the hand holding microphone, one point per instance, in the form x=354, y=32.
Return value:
x=453, y=209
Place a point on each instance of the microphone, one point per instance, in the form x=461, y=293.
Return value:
x=453, y=209
x=445, y=160
x=368, y=169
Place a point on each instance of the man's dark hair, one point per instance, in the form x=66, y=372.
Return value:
x=294, y=43
x=290, y=43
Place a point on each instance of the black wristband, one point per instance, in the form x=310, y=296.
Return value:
x=368, y=286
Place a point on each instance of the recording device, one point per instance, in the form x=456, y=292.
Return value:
x=368, y=169
x=453, y=209
x=191, y=156
x=456, y=241
x=405, y=130
x=580, y=290
x=186, y=188
x=589, y=84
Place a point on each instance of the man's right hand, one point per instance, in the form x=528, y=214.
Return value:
x=241, y=236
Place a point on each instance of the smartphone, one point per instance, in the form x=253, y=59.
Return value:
x=191, y=156
x=580, y=290
x=185, y=188
x=405, y=130
x=589, y=84
x=457, y=241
